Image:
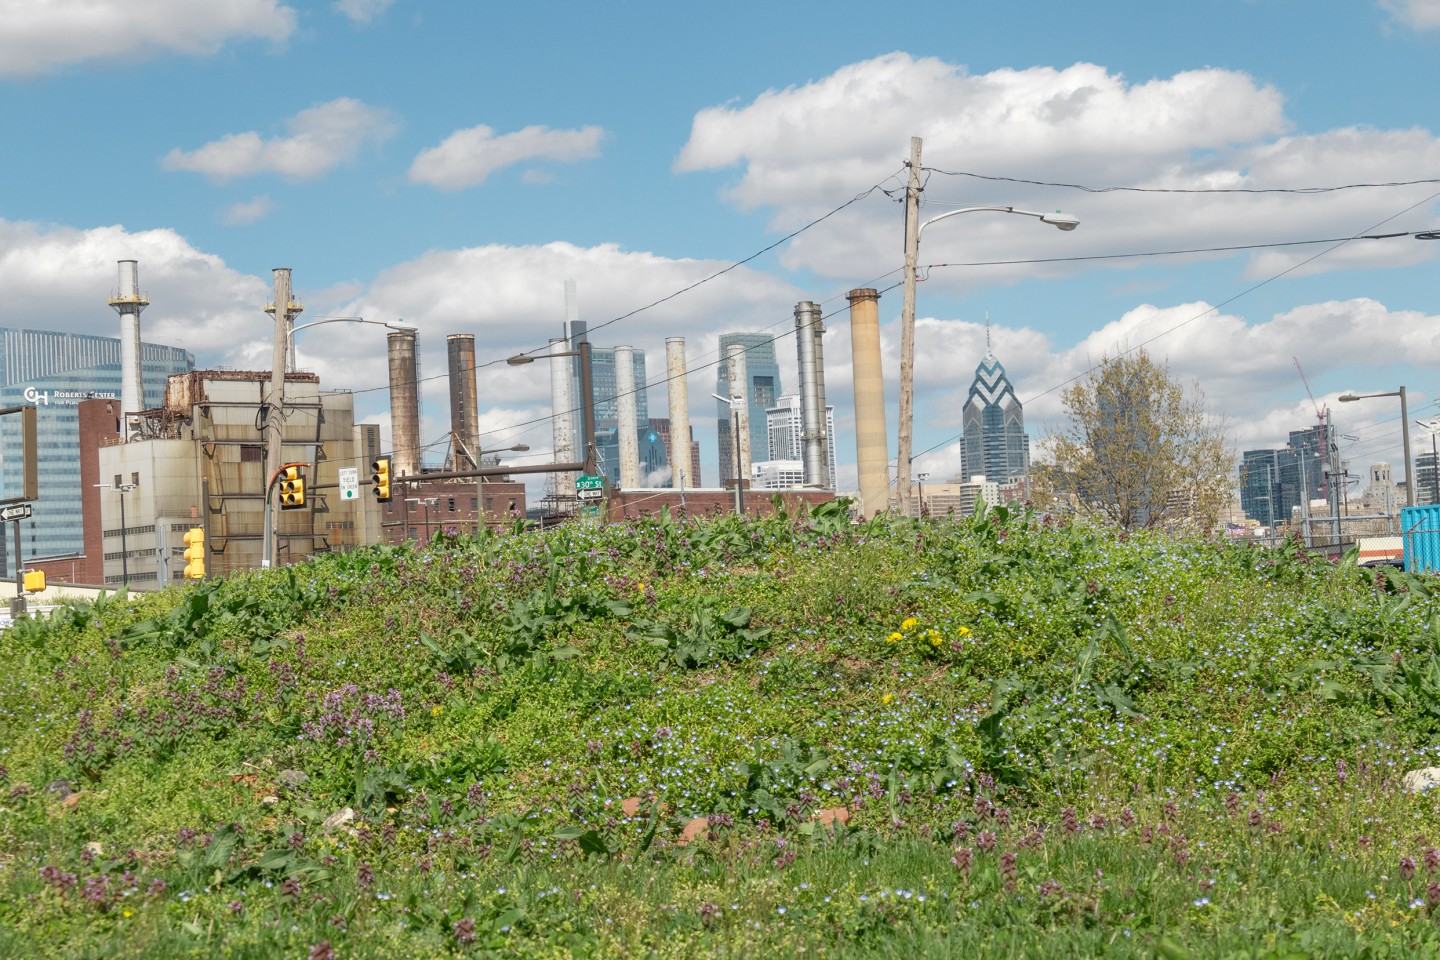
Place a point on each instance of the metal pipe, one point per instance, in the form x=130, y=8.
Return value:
x=827, y=478
x=626, y=411
x=1405, y=441
x=811, y=433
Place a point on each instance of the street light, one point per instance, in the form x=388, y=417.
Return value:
x=1404, y=434
x=1432, y=426
x=427, y=501
x=318, y=321
x=913, y=229
x=587, y=389
x=480, y=481
x=122, y=489
x=736, y=404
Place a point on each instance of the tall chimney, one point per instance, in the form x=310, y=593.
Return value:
x=464, y=402
x=128, y=303
x=872, y=446
x=812, y=410
x=827, y=477
x=678, y=389
x=740, y=388
x=625, y=415
x=562, y=409
x=404, y=403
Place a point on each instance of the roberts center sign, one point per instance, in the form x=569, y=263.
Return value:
x=64, y=398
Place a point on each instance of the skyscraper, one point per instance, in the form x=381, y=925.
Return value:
x=995, y=443
x=763, y=373
x=785, y=440
x=54, y=372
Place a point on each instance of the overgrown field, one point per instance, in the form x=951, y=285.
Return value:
x=791, y=737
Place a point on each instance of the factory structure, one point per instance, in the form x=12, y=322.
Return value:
x=153, y=449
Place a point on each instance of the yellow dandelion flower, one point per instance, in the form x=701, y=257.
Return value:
x=128, y=914
x=894, y=638
x=909, y=623
x=964, y=632
x=935, y=639
x=435, y=711
x=887, y=698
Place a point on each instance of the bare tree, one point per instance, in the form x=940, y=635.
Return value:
x=1137, y=450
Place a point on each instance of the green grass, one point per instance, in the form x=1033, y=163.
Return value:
x=1044, y=741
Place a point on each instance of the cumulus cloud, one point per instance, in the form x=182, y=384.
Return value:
x=361, y=11
x=38, y=38
x=248, y=211
x=320, y=138
x=1245, y=368
x=58, y=278
x=1416, y=14
x=803, y=149
x=467, y=157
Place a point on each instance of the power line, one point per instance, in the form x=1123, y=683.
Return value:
x=1419, y=234
x=1202, y=190
x=1335, y=245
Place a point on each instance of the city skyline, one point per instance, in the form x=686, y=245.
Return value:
x=643, y=175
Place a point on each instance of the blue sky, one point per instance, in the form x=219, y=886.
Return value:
x=454, y=163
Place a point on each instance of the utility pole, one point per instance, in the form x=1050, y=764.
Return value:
x=284, y=310
x=907, y=332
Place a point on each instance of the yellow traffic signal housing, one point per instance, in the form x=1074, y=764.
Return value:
x=380, y=477
x=34, y=581
x=195, y=553
x=292, y=489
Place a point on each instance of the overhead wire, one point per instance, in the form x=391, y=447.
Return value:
x=1204, y=313
x=1193, y=190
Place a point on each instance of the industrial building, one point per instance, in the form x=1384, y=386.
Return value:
x=199, y=460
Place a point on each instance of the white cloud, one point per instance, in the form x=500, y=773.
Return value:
x=801, y=148
x=40, y=37
x=321, y=137
x=361, y=11
x=60, y=278
x=467, y=157
x=248, y=211
x=1416, y=14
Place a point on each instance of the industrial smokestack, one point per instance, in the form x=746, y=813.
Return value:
x=128, y=303
x=464, y=403
x=625, y=415
x=404, y=403
x=872, y=446
x=812, y=404
x=740, y=392
x=562, y=409
x=678, y=388
x=827, y=477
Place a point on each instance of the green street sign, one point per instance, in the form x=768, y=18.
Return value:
x=589, y=483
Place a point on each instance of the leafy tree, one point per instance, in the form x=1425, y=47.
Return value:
x=1137, y=450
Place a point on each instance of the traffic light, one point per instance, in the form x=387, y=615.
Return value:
x=380, y=477
x=195, y=553
x=34, y=581
x=292, y=489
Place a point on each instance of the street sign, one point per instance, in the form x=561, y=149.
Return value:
x=589, y=488
x=16, y=511
x=349, y=483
